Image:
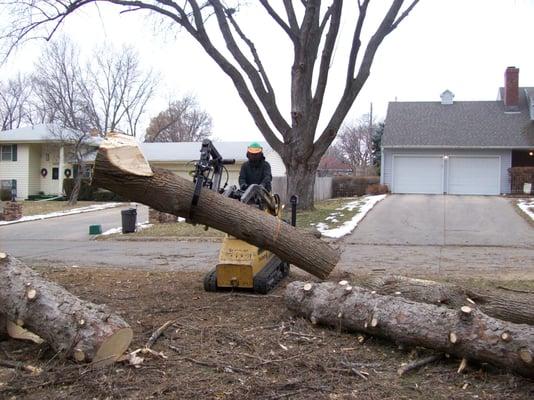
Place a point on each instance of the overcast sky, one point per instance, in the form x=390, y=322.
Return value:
x=460, y=45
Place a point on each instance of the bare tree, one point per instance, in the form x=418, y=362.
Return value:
x=354, y=142
x=312, y=32
x=63, y=98
x=14, y=102
x=182, y=121
x=120, y=89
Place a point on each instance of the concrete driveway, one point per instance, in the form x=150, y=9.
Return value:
x=444, y=235
x=65, y=241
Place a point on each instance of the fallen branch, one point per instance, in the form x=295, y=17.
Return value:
x=476, y=335
x=418, y=363
x=514, y=307
x=157, y=333
x=18, y=365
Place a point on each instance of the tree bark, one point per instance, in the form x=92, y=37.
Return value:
x=466, y=333
x=510, y=306
x=301, y=181
x=121, y=167
x=77, y=328
x=3, y=327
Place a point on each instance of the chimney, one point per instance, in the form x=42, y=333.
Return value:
x=511, y=89
x=446, y=97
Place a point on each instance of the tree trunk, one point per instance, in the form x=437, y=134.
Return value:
x=77, y=184
x=510, y=306
x=465, y=332
x=121, y=167
x=301, y=181
x=76, y=328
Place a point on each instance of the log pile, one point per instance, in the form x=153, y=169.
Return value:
x=121, y=168
x=73, y=327
x=465, y=332
x=12, y=211
x=513, y=306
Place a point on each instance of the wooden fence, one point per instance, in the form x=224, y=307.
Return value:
x=322, y=189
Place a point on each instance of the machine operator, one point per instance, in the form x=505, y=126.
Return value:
x=256, y=170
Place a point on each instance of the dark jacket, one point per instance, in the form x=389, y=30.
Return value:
x=256, y=173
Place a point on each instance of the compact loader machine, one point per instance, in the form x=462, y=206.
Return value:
x=241, y=265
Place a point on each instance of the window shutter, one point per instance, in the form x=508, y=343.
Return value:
x=14, y=152
x=13, y=184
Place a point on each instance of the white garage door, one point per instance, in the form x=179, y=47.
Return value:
x=474, y=175
x=418, y=174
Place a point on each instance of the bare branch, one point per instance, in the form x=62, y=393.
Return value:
x=292, y=34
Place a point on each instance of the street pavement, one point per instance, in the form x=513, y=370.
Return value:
x=65, y=241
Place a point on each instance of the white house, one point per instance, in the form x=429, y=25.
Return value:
x=33, y=159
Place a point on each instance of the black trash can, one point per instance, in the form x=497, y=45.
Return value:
x=129, y=219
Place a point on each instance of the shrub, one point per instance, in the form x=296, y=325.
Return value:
x=348, y=186
x=519, y=176
x=105, y=195
x=377, y=188
x=86, y=190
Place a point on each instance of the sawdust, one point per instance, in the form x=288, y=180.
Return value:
x=232, y=345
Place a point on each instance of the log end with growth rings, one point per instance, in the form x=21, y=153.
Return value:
x=113, y=347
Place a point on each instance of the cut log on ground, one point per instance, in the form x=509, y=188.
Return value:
x=478, y=336
x=76, y=328
x=3, y=327
x=509, y=306
x=121, y=167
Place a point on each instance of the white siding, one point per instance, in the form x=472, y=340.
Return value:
x=34, y=168
x=277, y=165
x=505, y=156
x=17, y=170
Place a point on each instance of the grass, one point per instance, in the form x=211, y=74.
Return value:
x=305, y=219
x=172, y=230
x=45, y=207
x=324, y=209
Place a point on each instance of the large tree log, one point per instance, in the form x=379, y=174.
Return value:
x=509, y=306
x=121, y=167
x=3, y=327
x=466, y=332
x=76, y=328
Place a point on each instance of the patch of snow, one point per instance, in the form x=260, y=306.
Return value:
x=321, y=226
x=138, y=227
x=365, y=204
x=527, y=206
x=95, y=207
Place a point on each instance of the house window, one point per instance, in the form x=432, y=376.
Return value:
x=55, y=173
x=86, y=171
x=8, y=152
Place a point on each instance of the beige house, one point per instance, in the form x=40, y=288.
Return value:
x=181, y=157
x=33, y=160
